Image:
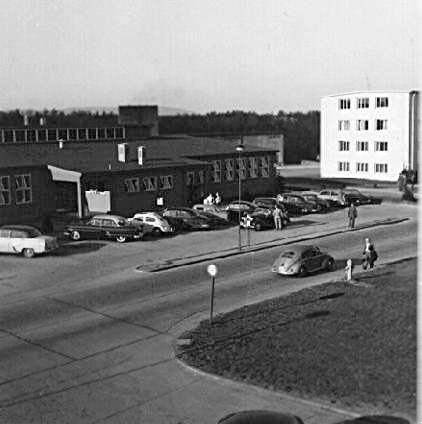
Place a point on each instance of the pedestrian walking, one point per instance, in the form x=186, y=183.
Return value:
x=352, y=214
x=369, y=257
x=277, y=218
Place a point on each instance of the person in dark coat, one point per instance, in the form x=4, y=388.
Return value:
x=352, y=214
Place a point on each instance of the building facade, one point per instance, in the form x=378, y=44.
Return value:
x=370, y=135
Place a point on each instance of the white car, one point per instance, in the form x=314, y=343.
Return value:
x=335, y=197
x=159, y=224
x=25, y=240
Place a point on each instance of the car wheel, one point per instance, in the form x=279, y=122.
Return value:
x=258, y=227
x=28, y=253
x=121, y=239
x=302, y=271
x=157, y=232
x=330, y=265
x=75, y=235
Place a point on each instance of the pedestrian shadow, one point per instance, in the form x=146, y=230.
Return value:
x=69, y=249
x=341, y=263
x=303, y=223
x=376, y=419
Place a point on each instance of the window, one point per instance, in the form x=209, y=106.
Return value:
x=216, y=171
x=62, y=134
x=362, y=124
x=8, y=136
x=343, y=166
x=110, y=132
x=52, y=134
x=119, y=132
x=381, y=167
x=343, y=125
x=229, y=169
x=362, y=146
x=253, y=167
x=20, y=135
x=166, y=182
x=73, y=134
x=132, y=185
x=242, y=168
x=381, y=146
x=42, y=135
x=361, y=167
x=30, y=136
x=344, y=146
x=23, y=189
x=190, y=178
x=201, y=177
x=92, y=133
x=149, y=183
x=381, y=102
x=381, y=124
x=101, y=132
x=362, y=103
x=265, y=167
x=81, y=134
x=344, y=104
x=4, y=190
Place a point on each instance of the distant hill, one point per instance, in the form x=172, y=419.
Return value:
x=162, y=110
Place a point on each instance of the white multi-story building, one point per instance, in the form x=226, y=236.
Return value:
x=371, y=135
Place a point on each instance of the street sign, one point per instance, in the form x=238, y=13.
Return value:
x=212, y=270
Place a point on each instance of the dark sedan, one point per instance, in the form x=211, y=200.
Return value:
x=104, y=227
x=185, y=219
x=237, y=208
x=296, y=204
x=351, y=195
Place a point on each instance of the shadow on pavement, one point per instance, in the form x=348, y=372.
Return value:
x=376, y=419
x=303, y=222
x=77, y=248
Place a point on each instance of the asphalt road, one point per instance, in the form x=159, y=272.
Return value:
x=104, y=353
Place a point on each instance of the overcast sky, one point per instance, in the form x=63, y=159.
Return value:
x=204, y=55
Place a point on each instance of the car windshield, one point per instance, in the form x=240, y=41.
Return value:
x=309, y=196
x=287, y=254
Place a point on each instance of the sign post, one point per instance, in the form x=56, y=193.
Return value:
x=212, y=272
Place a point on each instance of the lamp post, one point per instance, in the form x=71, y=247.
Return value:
x=239, y=149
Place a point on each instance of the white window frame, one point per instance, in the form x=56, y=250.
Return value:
x=229, y=169
x=5, y=190
x=149, y=183
x=381, y=124
x=344, y=104
x=343, y=166
x=165, y=182
x=216, y=171
x=344, y=146
x=241, y=168
x=132, y=185
x=344, y=125
x=362, y=103
x=381, y=168
x=362, y=146
x=361, y=167
x=362, y=125
x=381, y=102
x=25, y=188
x=381, y=146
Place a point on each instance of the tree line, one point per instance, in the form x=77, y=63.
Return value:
x=301, y=131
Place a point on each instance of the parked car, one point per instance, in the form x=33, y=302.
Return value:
x=312, y=196
x=260, y=417
x=302, y=259
x=25, y=240
x=214, y=220
x=236, y=209
x=158, y=224
x=214, y=209
x=266, y=202
x=295, y=204
x=358, y=198
x=260, y=220
x=104, y=227
x=185, y=219
x=335, y=197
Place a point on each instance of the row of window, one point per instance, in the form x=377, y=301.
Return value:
x=362, y=167
x=363, y=146
x=65, y=134
x=362, y=125
x=253, y=167
x=23, y=189
x=363, y=103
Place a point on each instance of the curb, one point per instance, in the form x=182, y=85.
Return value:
x=264, y=245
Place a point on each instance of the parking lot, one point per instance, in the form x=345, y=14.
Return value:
x=89, y=261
